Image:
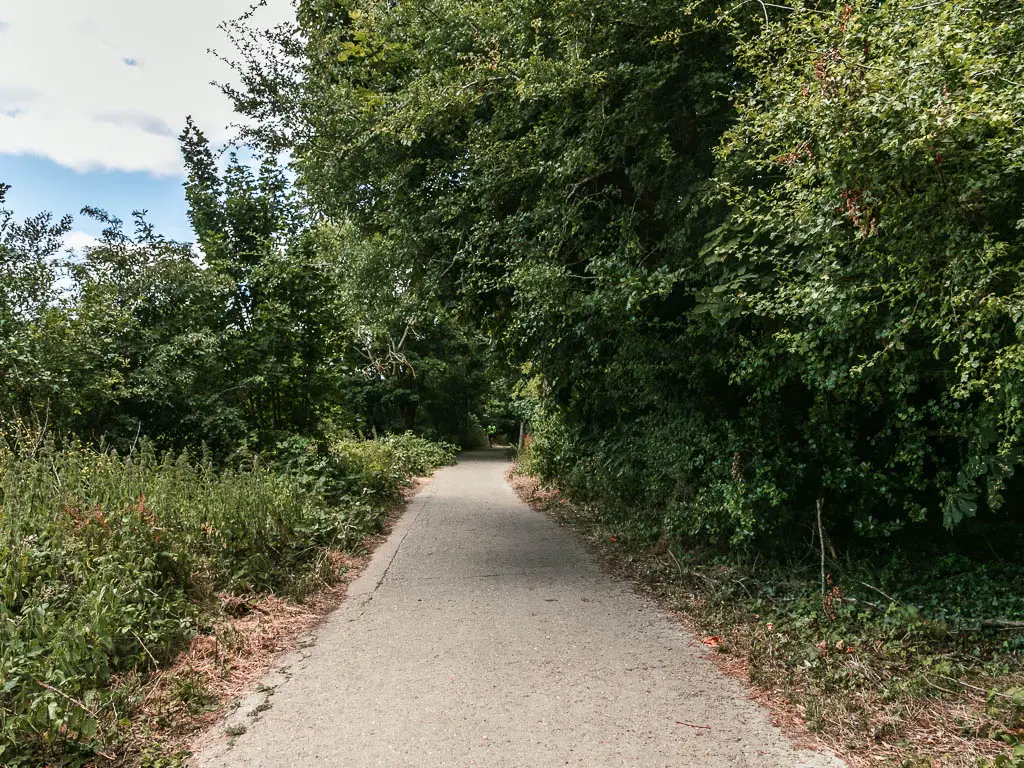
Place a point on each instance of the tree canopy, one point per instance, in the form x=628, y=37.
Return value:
x=755, y=257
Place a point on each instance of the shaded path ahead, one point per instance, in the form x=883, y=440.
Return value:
x=482, y=634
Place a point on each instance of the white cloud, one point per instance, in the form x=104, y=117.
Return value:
x=106, y=84
x=76, y=240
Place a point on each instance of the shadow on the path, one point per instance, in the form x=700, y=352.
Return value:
x=497, y=453
x=476, y=527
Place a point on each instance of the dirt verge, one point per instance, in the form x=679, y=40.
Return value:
x=208, y=679
x=948, y=729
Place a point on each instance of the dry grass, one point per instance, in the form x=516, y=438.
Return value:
x=179, y=702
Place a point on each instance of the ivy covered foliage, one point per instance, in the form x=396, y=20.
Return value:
x=756, y=259
x=870, y=262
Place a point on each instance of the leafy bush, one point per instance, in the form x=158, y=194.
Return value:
x=868, y=275
x=381, y=467
x=372, y=470
x=417, y=457
x=755, y=257
x=847, y=328
x=107, y=563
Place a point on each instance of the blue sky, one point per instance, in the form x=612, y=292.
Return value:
x=93, y=94
x=39, y=184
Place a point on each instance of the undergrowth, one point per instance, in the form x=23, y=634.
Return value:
x=903, y=659
x=110, y=563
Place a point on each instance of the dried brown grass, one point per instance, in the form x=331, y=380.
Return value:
x=240, y=648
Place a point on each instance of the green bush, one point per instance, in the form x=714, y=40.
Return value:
x=107, y=563
x=352, y=468
x=382, y=467
x=418, y=457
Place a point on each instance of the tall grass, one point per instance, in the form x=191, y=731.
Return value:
x=108, y=564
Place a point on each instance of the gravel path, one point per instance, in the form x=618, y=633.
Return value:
x=482, y=634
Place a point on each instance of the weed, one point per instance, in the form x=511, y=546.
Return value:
x=110, y=564
x=159, y=757
x=191, y=690
x=260, y=708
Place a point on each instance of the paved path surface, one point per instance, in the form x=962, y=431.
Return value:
x=482, y=634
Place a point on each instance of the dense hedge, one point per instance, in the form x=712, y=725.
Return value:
x=756, y=260
x=868, y=274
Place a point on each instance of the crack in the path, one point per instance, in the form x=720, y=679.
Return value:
x=475, y=577
x=391, y=561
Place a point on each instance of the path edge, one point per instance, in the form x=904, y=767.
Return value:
x=215, y=740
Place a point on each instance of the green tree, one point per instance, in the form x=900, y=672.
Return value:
x=145, y=335
x=754, y=257
x=536, y=166
x=29, y=298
